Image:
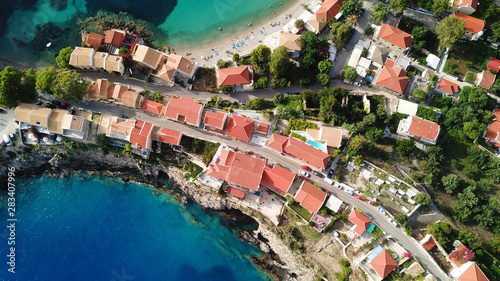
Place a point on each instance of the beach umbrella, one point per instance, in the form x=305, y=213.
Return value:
x=202, y=57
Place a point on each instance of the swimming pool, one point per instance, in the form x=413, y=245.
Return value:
x=315, y=144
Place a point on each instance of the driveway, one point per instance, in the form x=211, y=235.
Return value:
x=7, y=124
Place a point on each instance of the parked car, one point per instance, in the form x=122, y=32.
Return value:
x=318, y=174
x=339, y=186
x=13, y=136
x=304, y=173
x=330, y=174
x=329, y=181
x=380, y=209
x=122, y=116
x=357, y=84
x=306, y=168
x=359, y=197
x=56, y=102
x=369, y=202
x=65, y=104
x=349, y=191
x=287, y=93
x=71, y=112
x=3, y=144
x=391, y=221
x=294, y=94
x=362, y=12
x=7, y=140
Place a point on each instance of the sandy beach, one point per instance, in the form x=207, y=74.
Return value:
x=251, y=38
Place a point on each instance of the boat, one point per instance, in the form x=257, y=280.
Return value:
x=220, y=28
x=48, y=44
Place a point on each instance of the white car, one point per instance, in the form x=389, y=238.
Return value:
x=304, y=173
x=357, y=84
x=392, y=222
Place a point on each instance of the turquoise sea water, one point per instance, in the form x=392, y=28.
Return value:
x=103, y=229
x=190, y=23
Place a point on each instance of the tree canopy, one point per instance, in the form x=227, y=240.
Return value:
x=341, y=34
x=379, y=13
x=442, y=232
x=324, y=66
x=349, y=8
x=16, y=85
x=299, y=24
x=69, y=85
x=45, y=78
x=156, y=96
x=450, y=29
x=440, y=6
x=422, y=198
x=260, y=56
x=63, y=58
x=398, y=5
x=405, y=146
x=349, y=73
x=279, y=62
x=495, y=36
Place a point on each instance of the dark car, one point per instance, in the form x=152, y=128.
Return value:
x=71, y=112
x=362, y=12
x=294, y=94
x=318, y=174
x=287, y=93
x=65, y=104
x=122, y=116
x=330, y=174
x=56, y=102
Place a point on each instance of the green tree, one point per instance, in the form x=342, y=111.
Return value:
x=369, y=30
x=422, y=198
x=260, y=56
x=102, y=141
x=123, y=51
x=467, y=204
x=349, y=73
x=278, y=65
x=440, y=6
x=402, y=219
x=323, y=79
x=225, y=88
x=442, y=232
x=259, y=104
x=45, y=78
x=221, y=63
x=357, y=144
x=405, y=147
x=398, y=5
x=379, y=13
x=450, y=183
x=473, y=129
x=328, y=103
x=349, y=8
x=236, y=57
x=449, y=30
x=495, y=88
x=341, y=34
x=495, y=36
x=63, y=58
x=69, y=85
x=469, y=240
x=368, y=121
x=495, y=244
x=299, y=24
x=156, y=96
x=16, y=85
x=374, y=134
x=324, y=66
x=261, y=83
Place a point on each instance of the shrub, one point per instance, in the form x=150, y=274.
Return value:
x=468, y=64
x=156, y=96
x=470, y=77
x=297, y=136
x=369, y=30
x=225, y=89
x=222, y=63
x=261, y=83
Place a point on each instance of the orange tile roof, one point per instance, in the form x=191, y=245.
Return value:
x=120, y=128
x=184, y=110
x=240, y=127
x=99, y=90
x=278, y=179
x=494, y=64
x=464, y=3
x=493, y=130
x=166, y=72
x=141, y=134
x=226, y=157
x=118, y=91
x=170, y=136
x=114, y=38
x=215, y=119
x=277, y=142
x=310, y=197
x=263, y=127
x=455, y=260
x=383, y=264
x=307, y=153
x=448, y=86
x=94, y=39
x=487, y=80
x=234, y=76
x=131, y=98
x=152, y=106
x=429, y=244
x=360, y=221
x=395, y=36
x=181, y=64
x=472, y=24
x=237, y=192
x=424, y=128
x=220, y=169
x=393, y=78
x=329, y=9
x=473, y=273
x=246, y=171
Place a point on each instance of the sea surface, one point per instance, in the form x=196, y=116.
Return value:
x=99, y=228
x=190, y=24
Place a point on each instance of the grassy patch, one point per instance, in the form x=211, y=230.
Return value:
x=299, y=125
x=300, y=210
x=426, y=113
x=297, y=136
x=205, y=80
x=204, y=148
x=193, y=169
x=419, y=95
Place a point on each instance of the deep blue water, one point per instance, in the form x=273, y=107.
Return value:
x=103, y=229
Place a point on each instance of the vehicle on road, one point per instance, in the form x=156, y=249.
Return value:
x=304, y=173
x=71, y=112
x=3, y=144
x=330, y=174
x=306, y=168
x=318, y=174
x=391, y=221
x=380, y=209
x=357, y=84
x=7, y=140
x=359, y=197
x=65, y=104
x=329, y=181
x=362, y=12
x=56, y=102
x=122, y=116
x=339, y=186
x=13, y=136
x=17, y=132
x=349, y=191
x=369, y=202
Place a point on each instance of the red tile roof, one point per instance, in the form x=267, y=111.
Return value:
x=429, y=244
x=263, y=127
x=114, y=38
x=310, y=197
x=306, y=153
x=94, y=39
x=277, y=142
x=237, y=192
x=170, y=136
x=487, y=79
x=215, y=119
x=278, y=179
x=383, y=264
x=240, y=128
x=424, y=128
x=329, y=9
x=473, y=273
x=455, y=260
x=246, y=171
x=141, y=134
x=360, y=221
x=234, y=76
x=152, y=106
x=184, y=110
x=448, y=86
x=494, y=64
x=493, y=130
x=395, y=36
x=220, y=169
x=472, y=24
x=393, y=78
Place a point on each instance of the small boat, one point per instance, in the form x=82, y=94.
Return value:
x=220, y=28
x=48, y=44
x=250, y=24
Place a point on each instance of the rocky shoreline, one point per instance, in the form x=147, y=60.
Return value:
x=278, y=261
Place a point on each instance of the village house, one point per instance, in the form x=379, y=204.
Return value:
x=184, y=110
x=55, y=121
x=102, y=89
x=94, y=40
x=215, y=121
x=447, y=87
x=394, y=36
x=299, y=150
x=310, y=197
x=329, y=137
x=235, y=76
x=89, y=59
x=485, y=79
x=174, y=67
x=383, y=264
x=315, y=24
x=168, y=136
x=393, y=77
x=292, y=44
x=329, y=10
x=277, y=179
x=146, y=56
x=419, y=129
x=494, y=64
x=360, y=221
x=154, y=107
x=492, y=133
x=469, y=271
x=119, y=130
x=75, y=127
x=473, y=26
x=464, y=6
x=240, y=128
x=141, y=137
